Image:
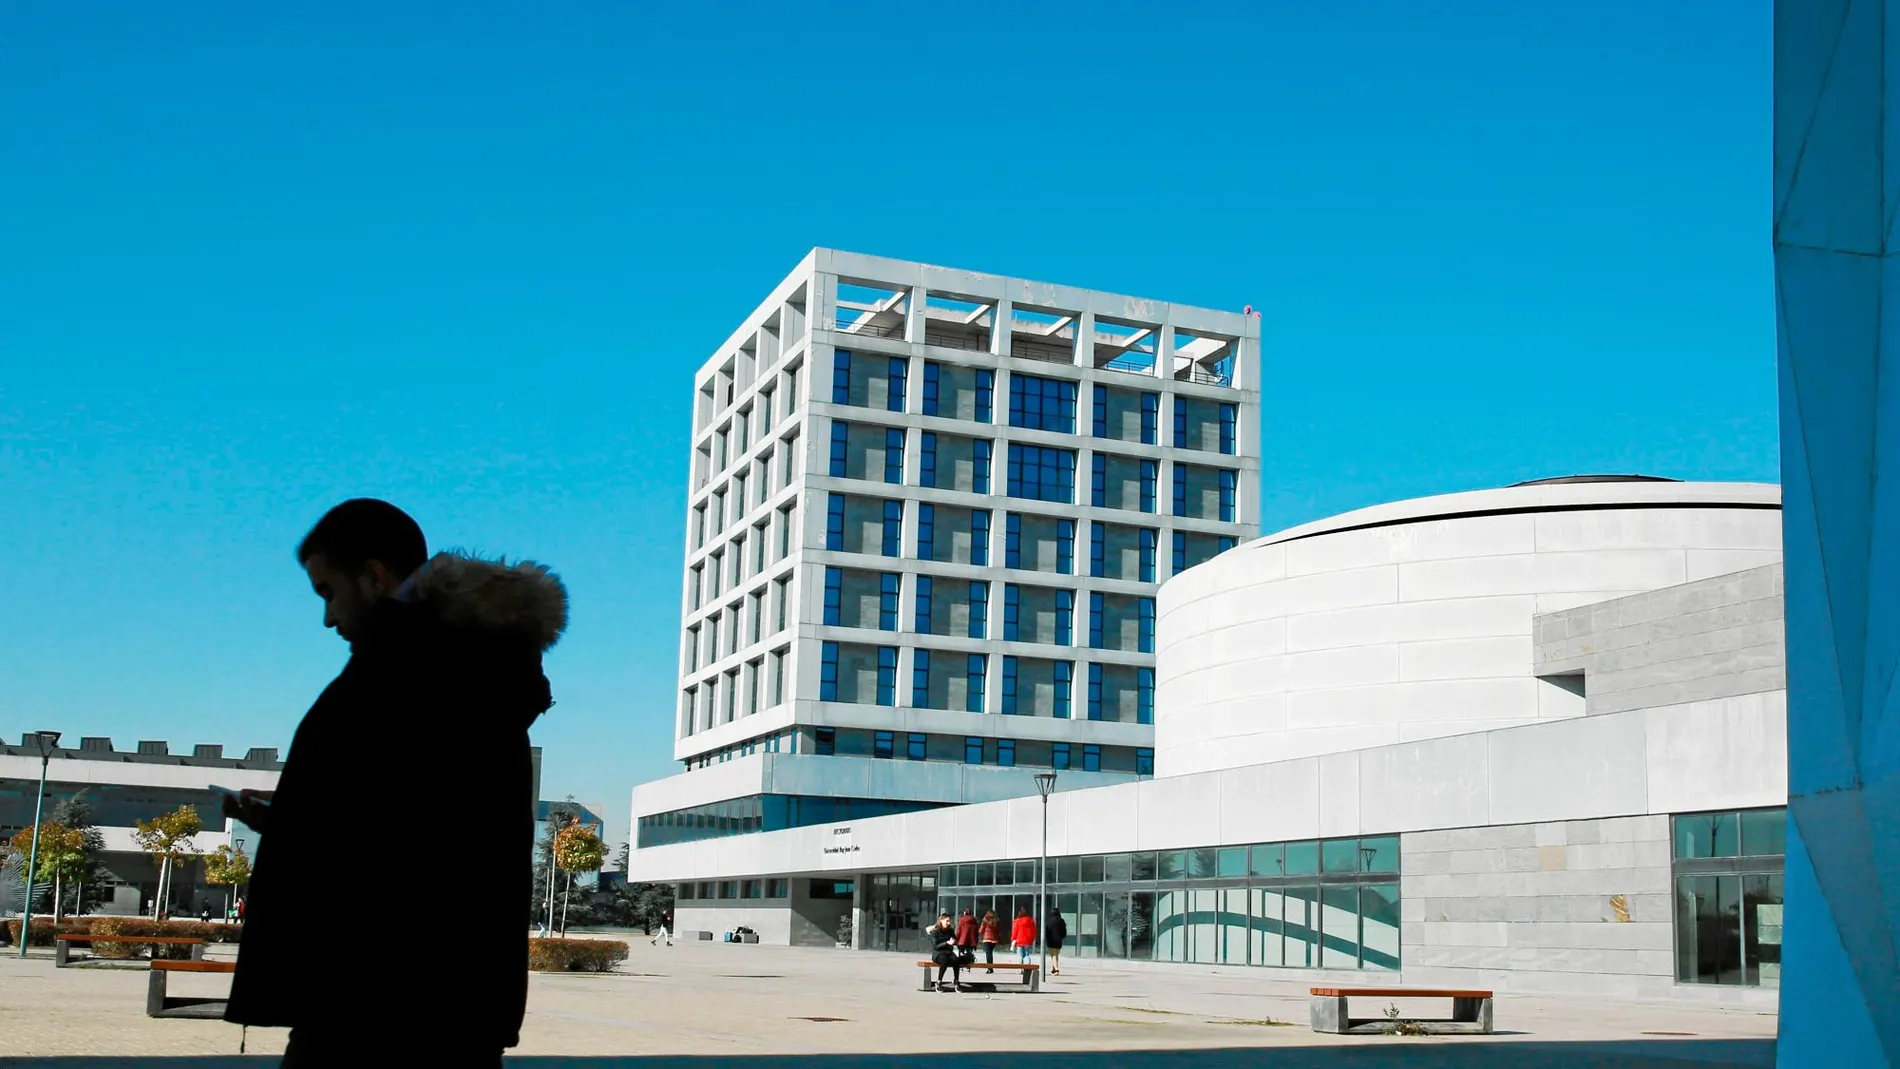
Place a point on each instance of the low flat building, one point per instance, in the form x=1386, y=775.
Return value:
x=1531, y=738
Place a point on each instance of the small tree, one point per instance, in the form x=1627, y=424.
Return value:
x=169, y=838
x=75, y=812
x=227, y=866
x=577, y=849
x=63, y=858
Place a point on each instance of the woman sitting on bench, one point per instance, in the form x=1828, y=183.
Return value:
x=945, y=952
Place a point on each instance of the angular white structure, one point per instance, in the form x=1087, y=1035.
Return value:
x=929, y=513
x=1834, y=201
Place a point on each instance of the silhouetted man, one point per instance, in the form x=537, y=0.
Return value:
x=414, y=759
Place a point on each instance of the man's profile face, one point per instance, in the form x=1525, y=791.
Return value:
x=346, y=598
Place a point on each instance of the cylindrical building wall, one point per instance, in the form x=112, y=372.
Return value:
x=1413, y=620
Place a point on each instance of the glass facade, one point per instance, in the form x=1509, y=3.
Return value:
x=1728, y=879
x=1330, y=904
x=763, y=812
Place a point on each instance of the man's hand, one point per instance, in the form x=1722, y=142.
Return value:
x=246, y=808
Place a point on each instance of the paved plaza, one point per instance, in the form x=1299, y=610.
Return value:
x=717, y=1004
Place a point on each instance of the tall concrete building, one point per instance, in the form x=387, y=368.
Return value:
x=928, y=514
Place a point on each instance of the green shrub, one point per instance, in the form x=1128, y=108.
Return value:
x=43, y=930
x=575, y=955
x=210, y=933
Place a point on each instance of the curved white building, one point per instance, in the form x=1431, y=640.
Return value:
x=1413, y=620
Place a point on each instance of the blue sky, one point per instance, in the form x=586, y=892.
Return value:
x=254, y=260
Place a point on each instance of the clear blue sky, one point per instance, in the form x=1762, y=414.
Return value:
x=467, y=257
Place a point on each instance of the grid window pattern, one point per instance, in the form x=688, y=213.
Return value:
x=1065, y=685
x=1012, y=608
x=1146, y=563
x=973, y=750
x=893, y=456
x=1098, y=480
x=1150, y=475
x=1098, y=549
x=893, y=528
x=1180, y=423
x=1006, y=752
x=922, y=624
x=915, y=747
x=887, y=675
x=1065, y=617
x=1145, y=761
x=1229, y=420
x=834, y=597
x=926, y=531
x=1145, y=698
x=1009, y=686
x=1101, y=412
x=828, y=672
x=888, y=585
x=931, y=379
x=884, y=744
x=1012, y=540
x=1150, y=417
x=1095, y=686
x=980, y=537
x=841, y=377
x=985, y=395
x=840, y=447
x=927, y=458
x=1059, y=756
x=900, y=377
x=1042, y=404
x=1229, y=485
x=1180, y=489
x=976, y=673
x=1180, y=552
x=1065, y=547
x=1728, y=872
x=1091, y=757
x=1095, y=624
x=1042, y=473
x=1145, y=635
x=980, y=461
x=979, y=609
x=834, y=522
x=920, y=679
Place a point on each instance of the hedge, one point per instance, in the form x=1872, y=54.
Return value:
x=43, y=932
x=575, y=955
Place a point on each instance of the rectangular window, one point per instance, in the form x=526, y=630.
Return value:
x=1728, y=870
x=1098, y=480
x=926, y=458
x=1040, y=473
x=778, y=677
x=1065, y=547
x=1144, y=695
x=1145, y=637
x=985, y=395
x=1065, y=617
x=926, y=531
x=758, y=615
x=975, y=672
x=980, y=461
x=1180, y=423
x=1144, y=762
x=893, y=528
x=841, y=377
x=1101, y=412
x=931, y=373
x=1091, y=757
x=1229, y=419
x=1059, y=756
x=1147, y=565
x=894, y=456
x=914, y=747
x=1098, y=549
x=699, y=527
x=784, y=533
x=1013, y=540
x=1012, y=598
x=900, y=370
x=1229, y=485
x=834, y=597
x=825, y=742
x=887, y=675
x=783, y=597
x=695, y=582
x=1150, y=476
x=1150, y=416
x=1095, y=692
x=1006, y=752
x=980, y=537
x=1180, y=488
x=1009, y=686
x=979, y=609
x=828, y=672
x=920, y=678
x=884, y=744
x=1043, y=404
x=973, y=750
x=922, y=623
x=1065, y=684
x=760, y=536
x=1095, y=620
x=1180, y=552
x=834, y=522
x=888, y=585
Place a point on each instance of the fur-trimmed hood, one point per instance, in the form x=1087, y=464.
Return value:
x=521, y=600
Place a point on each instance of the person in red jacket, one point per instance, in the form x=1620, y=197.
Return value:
x=990, y=933
x=966, y=932
x=1022, y=935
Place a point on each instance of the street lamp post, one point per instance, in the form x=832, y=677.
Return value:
x=45, y=740
x=1045, y=785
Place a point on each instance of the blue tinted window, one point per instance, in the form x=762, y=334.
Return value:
x=1091, y=757
x=980, y=537
x=1180, y=489
x=1144, y=762
x=825, y=741
x=1098, y=549
x=985, y=394
x=1009, y=686
x=840, y=447
x=920, y=679
x=926, y=531
x=1101, y=411
x=1065, y=683
x=1180, y=552
x=887, y=587
x=841, y=377
x=1229, y=418
x=900, y=368
x=927, y=459
x=1065, y=617
x=980, y=460
x=923, y=604
x=1180, y=423
x=1006, y=752
x=1225, y=542
x=975, y=671
x=1150, y=416
x=1012, y=597
x=1229, y=482
x=973, y=750
x=1145, y=643
x=894, y=456
x=931, y=373
x=1013, y=540
x=1042, y=404
x=834, y=522
x=887, y=675
x=884, y=744
x=828, y=673
x=914, y=746
x=834, y=596
x=1098, y=480
x=979, y=609
x=1144, y=695
x=1150, y=475
x=1065, y=547
x=1040, y=473
x=1059, y=756
x=1095, y=690
x=893, y=528
x=1147, y=555
x=1095, y=620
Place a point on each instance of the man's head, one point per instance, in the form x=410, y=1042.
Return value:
x=356, y=555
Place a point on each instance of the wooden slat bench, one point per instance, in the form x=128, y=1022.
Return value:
x=1031, y=974
x=1470, y=1011
x=62, y=944
x=158, y=1005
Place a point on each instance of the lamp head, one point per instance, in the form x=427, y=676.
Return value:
x=1045, y=783
x=47, y=741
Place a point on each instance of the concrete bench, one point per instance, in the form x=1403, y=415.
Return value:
x=158, y=1005
x=1031, y=974
x=63, y=942
x=1470, y=1011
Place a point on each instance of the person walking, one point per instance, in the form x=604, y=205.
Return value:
x=1022, y=935
x=1054, y=934
x=966, y=933
x=943, y=951
x=989, y=933
x=445, y=649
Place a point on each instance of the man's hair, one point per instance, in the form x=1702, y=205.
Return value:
x=364, y=529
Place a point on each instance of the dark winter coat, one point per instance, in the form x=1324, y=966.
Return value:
x=966, y=932
x=414, y=761
x=1055, y=932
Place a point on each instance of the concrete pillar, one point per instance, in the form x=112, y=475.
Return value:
x=1840, y=381
x=1085, y=339
x=999, y=327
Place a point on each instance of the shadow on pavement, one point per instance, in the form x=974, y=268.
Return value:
x=1411, y=1054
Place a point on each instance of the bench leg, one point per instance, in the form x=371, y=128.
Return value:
x=155, y=993
x=928, y=986
x=62, y=953
x=1035, y=980
x=1473, y=1011
x=197, y=952
x=1328, y=1014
